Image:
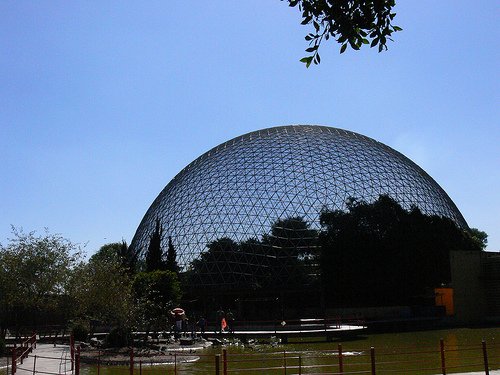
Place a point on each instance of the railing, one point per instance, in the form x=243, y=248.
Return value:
x=19, y=353
x=367, y=361
x=61, y=368
x=440, y=359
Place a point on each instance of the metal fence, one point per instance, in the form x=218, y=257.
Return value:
x=440, y=359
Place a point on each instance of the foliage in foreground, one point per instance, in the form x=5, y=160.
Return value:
x=35, y=274
x=349, y=22
x=155, y=294
x=102, y=288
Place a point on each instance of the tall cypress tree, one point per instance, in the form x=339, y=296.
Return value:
x=171, y=263
x=154, y=255
x=128, y=257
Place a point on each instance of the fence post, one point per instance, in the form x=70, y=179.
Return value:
x=131, y=369
x=175, y=363
x=372, y=355
x=77, y=361
x=72, y=350
x=485, y=357
x=443, y=361
x=34, y=365
x=14, y=359
x=140, y=367
x=21, y=359
x=98, y=362
x=224, y=361
x=300, y=364
x=341, y=360
x=217, y=364
x=284, y=360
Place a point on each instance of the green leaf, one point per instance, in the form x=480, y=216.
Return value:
x=374, y=42
x=316, y=26
x=353, y=44
x=312, y=49
x=306, y=20
x=397, y=28
x=306, y=60
x=365, y=41
x=343, y=48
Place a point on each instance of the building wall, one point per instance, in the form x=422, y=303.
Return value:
x=491, y=277
x=468, y=285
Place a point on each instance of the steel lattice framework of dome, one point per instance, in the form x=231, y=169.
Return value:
x=238, y=189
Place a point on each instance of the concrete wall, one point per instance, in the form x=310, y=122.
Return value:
x=468, y=285
x=491, y=277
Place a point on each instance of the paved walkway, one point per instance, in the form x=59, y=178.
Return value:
x=49, y=359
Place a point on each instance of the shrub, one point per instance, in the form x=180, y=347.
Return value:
x=118, y=337
x=80, y=332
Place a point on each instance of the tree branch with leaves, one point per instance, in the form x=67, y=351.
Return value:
x=350, y=22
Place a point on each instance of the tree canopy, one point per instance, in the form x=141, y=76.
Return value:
x=280, y=259
x=171, y=259
x=380, y=254
x=154, y=253
x=102, y=287
x=155, y=294
x=350, y=22
x=35, y=273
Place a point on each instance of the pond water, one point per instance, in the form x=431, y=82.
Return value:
x=396, y=353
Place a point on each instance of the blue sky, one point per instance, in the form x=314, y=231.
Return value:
x=102, y=103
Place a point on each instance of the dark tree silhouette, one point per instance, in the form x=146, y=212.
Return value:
x=480, y=237
x=284, y=258
x=128, y=257
x=293, y=249
x=380, y=254
x=171, y=262
x=213, y=268
x=154, y=254
x=155, y=294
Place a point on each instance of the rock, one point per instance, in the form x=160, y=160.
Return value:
x=186, y=341
x=94, y=341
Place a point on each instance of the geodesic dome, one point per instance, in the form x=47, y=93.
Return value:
x=238, y=189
